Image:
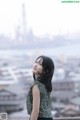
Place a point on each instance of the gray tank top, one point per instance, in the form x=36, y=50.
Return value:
x=45, y=102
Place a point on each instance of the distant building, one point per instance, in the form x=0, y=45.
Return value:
x=64, y=90
x=63, y=85
x=12, y=98
x=12, y=93
x=68, y=113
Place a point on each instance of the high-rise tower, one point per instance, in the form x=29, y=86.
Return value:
x=24, y=23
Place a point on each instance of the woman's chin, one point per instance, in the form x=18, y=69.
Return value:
x=34, y=71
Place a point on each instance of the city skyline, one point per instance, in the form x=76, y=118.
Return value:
x=43, y=17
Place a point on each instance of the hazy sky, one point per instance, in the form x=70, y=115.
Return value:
x=43, y=16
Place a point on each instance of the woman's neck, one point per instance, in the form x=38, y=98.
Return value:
x=36, y=76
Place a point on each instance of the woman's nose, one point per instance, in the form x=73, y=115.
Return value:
x=35, y=64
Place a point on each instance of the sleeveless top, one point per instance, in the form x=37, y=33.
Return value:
x=45, y=102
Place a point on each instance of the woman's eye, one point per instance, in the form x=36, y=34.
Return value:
x=40, y=63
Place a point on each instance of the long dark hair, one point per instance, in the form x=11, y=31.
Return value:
x=48, y=70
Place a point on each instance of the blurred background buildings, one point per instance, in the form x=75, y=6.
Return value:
x=16, y=58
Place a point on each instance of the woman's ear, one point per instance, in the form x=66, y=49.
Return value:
x=44, y=72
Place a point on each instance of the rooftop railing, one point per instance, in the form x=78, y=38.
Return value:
x=57, y=118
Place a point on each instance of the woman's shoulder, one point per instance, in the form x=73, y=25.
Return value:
x=40, y=85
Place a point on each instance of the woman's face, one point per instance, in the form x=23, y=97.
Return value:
x=37, y=67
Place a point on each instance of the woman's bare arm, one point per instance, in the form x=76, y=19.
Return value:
x=36, y=103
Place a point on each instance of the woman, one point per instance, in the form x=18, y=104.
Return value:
x=38, y=98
